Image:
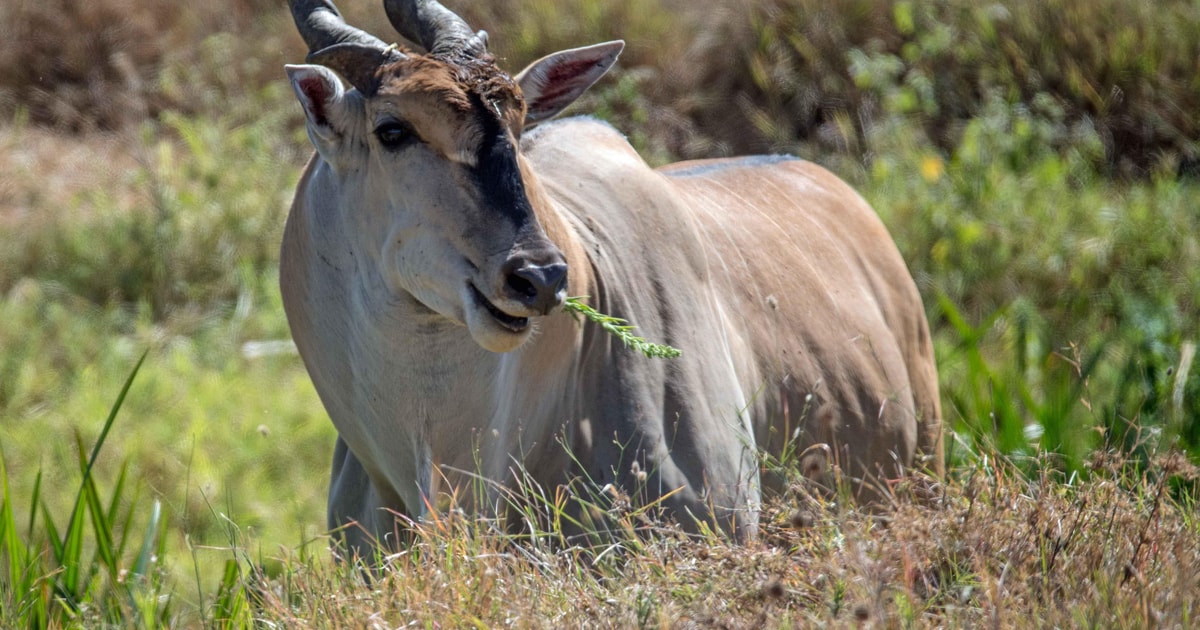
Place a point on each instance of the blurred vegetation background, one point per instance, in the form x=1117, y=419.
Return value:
x=1036, y=161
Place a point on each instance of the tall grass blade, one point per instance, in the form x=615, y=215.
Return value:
x=72, y=547
x=14, y=549
x=149, y=541
x=101, y=527
x=118, y=492
x=33, y=503
x=112, y=415
x=56, y=541
x=125, y=538
x=230, y=598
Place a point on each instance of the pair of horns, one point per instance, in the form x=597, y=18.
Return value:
x=356, y=54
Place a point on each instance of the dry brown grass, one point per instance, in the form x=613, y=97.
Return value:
x=46, y=170
x=106, y=64
x=991, y=547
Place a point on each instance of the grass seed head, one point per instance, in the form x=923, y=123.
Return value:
x=773, y=589
x=800, y=519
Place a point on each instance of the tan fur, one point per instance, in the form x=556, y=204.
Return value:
x=796, y=316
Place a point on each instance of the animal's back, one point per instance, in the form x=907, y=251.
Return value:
x=828, y=305
x=810, y=294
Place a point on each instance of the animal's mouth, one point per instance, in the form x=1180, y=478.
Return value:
x=510, y=322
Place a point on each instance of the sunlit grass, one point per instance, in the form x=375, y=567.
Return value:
x=996, y=542
x=226, y=450
x=1062, y=305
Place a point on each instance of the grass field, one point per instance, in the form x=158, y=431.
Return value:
x=1059, y=261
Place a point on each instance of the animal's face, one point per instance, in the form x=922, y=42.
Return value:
x=431, y=186
x=434, y=199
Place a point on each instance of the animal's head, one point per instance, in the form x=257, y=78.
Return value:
x=425, y=152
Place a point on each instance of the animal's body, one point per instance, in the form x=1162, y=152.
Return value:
x=796, y=317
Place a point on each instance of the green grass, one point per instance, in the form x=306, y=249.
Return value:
x=69, y=572
x=992, y=543
x=1062, y=301
x=1053, y=350
x=620, y=329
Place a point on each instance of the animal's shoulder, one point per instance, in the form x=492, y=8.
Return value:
x=577, y=131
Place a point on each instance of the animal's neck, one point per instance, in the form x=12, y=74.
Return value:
x=580, y=278
x=427, y=346
x=408, y=387
x=466, y=394
x=472, y=410
x=422, y=391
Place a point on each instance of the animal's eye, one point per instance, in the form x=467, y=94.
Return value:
x=393, y=135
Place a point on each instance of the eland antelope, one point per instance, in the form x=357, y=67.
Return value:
x=444, y=219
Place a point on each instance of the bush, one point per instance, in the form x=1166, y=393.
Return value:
x=79, y=66
x=720, y=78
x=193, y=226
x=804, y=70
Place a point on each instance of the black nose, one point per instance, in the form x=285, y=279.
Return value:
x=540, y=287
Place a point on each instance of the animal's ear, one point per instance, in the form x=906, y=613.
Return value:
x=556, y=80
x=321, y=94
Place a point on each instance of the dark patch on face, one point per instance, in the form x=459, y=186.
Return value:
x=475, y=89
x=496, y=171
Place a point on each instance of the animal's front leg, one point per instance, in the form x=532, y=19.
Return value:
x=361, y=520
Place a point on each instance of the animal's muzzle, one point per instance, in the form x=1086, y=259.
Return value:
x=538, y=282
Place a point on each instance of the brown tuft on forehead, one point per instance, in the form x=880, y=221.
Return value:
x=454, y=77
x=486, y=79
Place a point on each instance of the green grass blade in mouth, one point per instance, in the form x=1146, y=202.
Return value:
x=620, y=328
